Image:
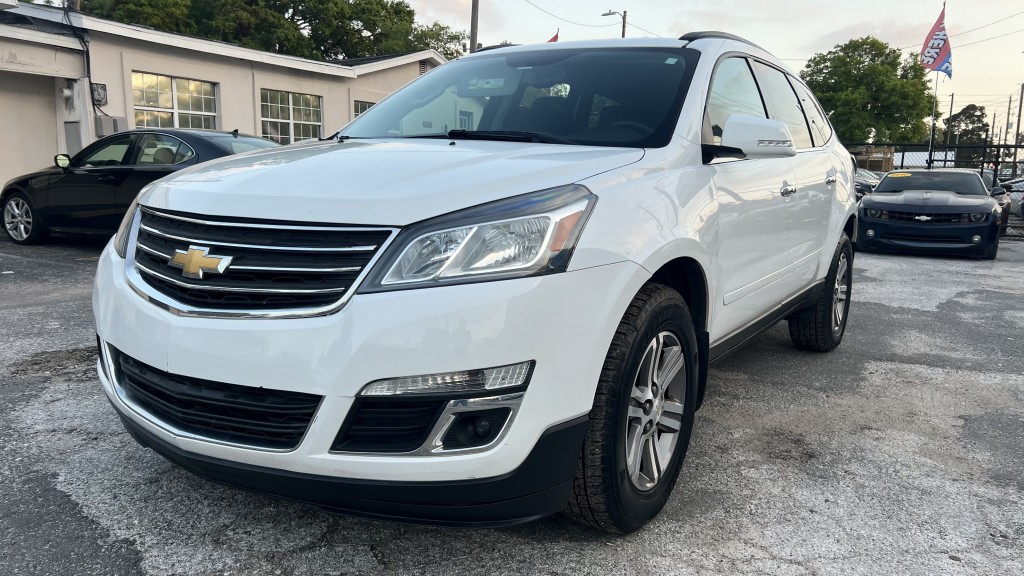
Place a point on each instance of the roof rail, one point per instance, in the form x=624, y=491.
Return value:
x=495, y=47
x=691, y=36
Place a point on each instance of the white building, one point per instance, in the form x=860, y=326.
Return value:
x=67, y=79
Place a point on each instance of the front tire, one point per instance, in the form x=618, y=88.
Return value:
x=642, y=417
x=20, y=220
x=992, y=250
x=820, y=328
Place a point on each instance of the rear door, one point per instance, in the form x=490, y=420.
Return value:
x=84, y=197
x=156, y=155
x=755, y=219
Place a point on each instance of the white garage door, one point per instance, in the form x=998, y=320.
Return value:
x=28, y=123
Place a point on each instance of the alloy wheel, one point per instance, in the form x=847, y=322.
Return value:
x=18, y=219
x=655, y=413
x=840, y=294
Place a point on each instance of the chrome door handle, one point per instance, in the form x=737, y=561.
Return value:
x=830, y=180
x=787, y=190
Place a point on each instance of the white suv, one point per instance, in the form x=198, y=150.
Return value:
x=495, y=295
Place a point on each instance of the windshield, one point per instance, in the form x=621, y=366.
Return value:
x=866, y=174
x=599, y=97
x=968, y=183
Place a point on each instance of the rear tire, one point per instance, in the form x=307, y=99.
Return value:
x=20, y=220
x=820, y=328
x=642, y=416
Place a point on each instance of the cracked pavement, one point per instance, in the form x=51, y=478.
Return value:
x=899, y=453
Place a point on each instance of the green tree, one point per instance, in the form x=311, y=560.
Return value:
x=316, y=29
x=167, y=15
x=969, y=125
x=870, y=93
x=440, y=38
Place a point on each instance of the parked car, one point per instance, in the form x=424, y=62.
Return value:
x=90, y=192
x=1015, y=192
x=865, y=181
x=495, y=294
x=947, y=210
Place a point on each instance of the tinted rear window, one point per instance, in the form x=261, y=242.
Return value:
x=243, y=144
x=959, y=182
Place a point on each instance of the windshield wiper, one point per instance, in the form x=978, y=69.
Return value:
x=507, y=136
x=341, y=137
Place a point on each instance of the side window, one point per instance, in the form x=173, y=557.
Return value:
x=783, y=104
x=112, y=152
x=733, y=91
x=821, y=130
x=160, y=149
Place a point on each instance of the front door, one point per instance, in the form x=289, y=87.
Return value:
x=84, y=197
x=756, y=210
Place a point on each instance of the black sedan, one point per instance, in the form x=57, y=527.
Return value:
x=90, y=192
x=949, y=211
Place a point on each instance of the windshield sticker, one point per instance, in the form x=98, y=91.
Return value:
x=899, y=174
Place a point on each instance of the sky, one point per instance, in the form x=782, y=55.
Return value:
x=987, y=36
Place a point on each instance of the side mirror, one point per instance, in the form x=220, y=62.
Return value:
x=998, y=191
x=62, y=161
x=758, y=137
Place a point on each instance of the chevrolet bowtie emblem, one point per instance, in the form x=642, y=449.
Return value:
x=197, y=261
x=923, y=218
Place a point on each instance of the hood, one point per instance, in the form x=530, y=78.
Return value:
x=391, y=182
x=927, y=200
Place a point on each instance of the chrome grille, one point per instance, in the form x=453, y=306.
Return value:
x=275, y=266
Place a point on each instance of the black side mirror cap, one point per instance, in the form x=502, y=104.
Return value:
x=998, y=191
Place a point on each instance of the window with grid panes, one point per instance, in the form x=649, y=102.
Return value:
x=358, y=107
x=288, y=117
x=168, y=102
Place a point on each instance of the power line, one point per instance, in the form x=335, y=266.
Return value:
x=555, y=16
x=1001, y=20
x=631, y=25
x=992, y=38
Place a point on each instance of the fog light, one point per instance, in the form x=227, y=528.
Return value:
x=473, y=429
x=975, y=238
x=871, y=233
x=498, y=378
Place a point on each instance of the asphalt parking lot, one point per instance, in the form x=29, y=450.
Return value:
x=900, y=453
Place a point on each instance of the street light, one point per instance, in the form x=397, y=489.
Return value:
x=623, y=14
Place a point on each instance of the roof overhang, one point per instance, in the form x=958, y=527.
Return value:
x=139, y=33
x=39, y=37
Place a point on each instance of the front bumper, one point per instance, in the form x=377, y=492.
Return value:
x=562, y=322
x=926, y=238
x=540, y=486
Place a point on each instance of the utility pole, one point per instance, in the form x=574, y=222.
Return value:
x=949, y=119
x=623, y=23
x=1009, y=103
x=1017, y=130
x=474, y=26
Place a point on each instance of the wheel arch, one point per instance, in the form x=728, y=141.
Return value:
x=686, y=276
x=851, y=228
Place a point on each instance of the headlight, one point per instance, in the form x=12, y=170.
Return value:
x=977, y=216
x=874, y=212
x=121, y=238
x=526, y=235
